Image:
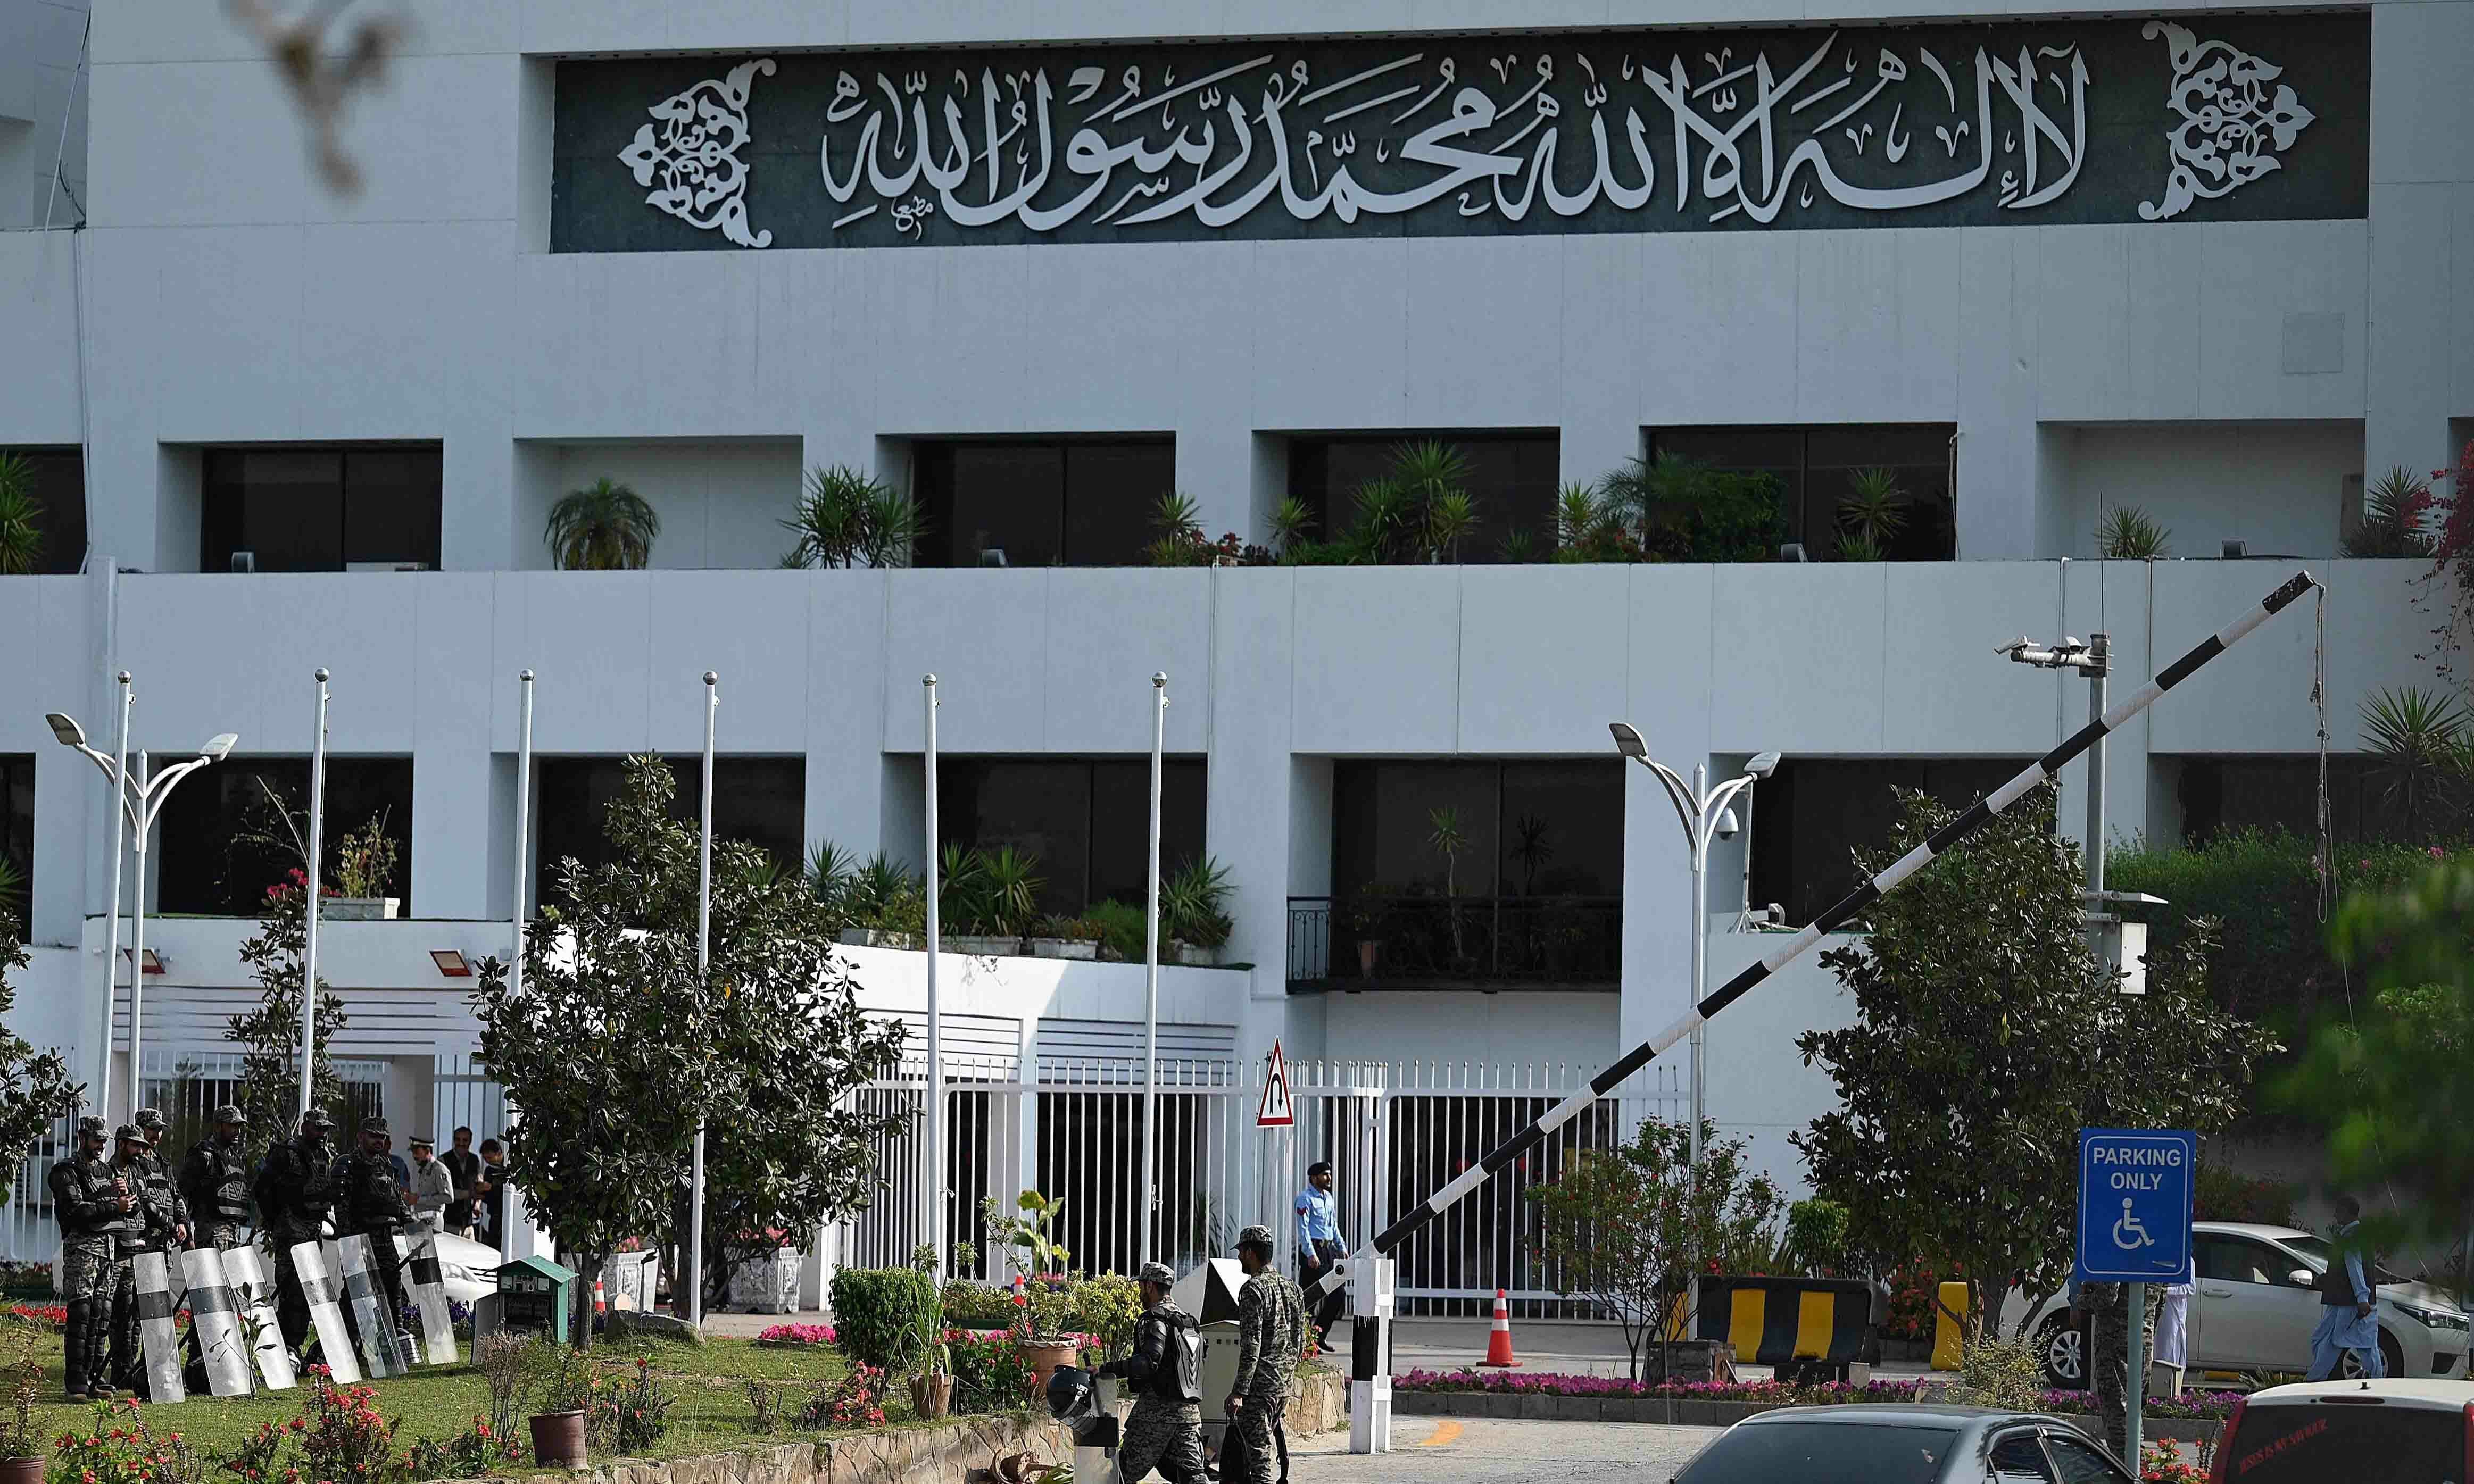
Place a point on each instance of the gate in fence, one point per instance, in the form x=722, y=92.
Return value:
x=1394, y=1132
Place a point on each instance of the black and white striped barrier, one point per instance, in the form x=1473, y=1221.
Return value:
x=325, y=1298
x=429, y=1287
x=1370, y=1358
x=250, y=1284
x=214, y=1318
x=158, y=1307
x=1845, y=910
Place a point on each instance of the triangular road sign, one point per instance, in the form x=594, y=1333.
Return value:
x=1279, y=1111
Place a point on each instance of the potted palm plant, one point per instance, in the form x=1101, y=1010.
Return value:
x=365, y=863
x=966, y=904
x=1193, y=910
x=604, y=527
x=1366, y=922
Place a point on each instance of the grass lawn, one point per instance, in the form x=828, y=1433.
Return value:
x=713, y=1413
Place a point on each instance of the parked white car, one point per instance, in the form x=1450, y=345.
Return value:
x=2256, y=1306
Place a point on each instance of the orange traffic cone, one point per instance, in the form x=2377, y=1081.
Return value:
x=599, y=1307
x=1498, y=1343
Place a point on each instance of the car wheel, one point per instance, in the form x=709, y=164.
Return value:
x=2349, y=1362
x=2062, y=1347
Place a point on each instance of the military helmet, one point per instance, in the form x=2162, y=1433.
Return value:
x=229, y=1112
x=1159, y=1273
x=150, y=1118
x=92, y=1127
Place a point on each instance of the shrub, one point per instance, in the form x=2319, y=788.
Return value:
x=466, y=1455
x=1816, y=1236
x=970, y=1305
x=2004, y=1373
x=2219, y=1194
x=880, y=1312
x=1106, y=1308
x=855, y=1401
x=989, y=1373
x=1121, y=930
x=118, y=1447
x=346, y=1439
x=630, y=1416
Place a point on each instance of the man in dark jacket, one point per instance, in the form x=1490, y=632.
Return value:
x=370, y=1203
x=464, y=1218
x=88, y=1198
x=214, y=1181
x=295, y=1191
x=1166, y=1367
x=145, y=1225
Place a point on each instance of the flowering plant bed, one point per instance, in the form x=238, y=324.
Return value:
x=796, y=1334
x=55, y=1315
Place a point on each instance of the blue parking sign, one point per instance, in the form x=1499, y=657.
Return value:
x=2134, y=1205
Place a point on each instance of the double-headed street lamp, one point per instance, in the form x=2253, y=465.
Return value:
x=1704, y=816
x=141, y=799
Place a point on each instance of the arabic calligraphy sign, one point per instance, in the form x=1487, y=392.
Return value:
x=2231, y=119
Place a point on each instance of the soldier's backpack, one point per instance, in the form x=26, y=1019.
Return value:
x=1180, y=1379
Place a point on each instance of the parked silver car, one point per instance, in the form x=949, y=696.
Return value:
x=2256, y=1306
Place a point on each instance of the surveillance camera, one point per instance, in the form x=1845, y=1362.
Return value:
x=1727, y=825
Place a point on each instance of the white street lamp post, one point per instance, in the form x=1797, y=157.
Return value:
x=139, y=802
x=704, y=961
x=1704, y=816
x=523, y=830
x=1150, y=987
x=309, y=939
x=933, y=1176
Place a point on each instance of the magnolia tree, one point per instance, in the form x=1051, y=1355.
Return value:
x=1626, y=1228
x=35, y=1087
x=1987, y=1034
x=270, y=1036
x=616, y=1049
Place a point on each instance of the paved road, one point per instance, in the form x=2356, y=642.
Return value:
x=1446, y=1451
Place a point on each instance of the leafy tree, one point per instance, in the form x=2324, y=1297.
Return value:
x=1987, y=1035
x=35, y=1087
x=1627, y=1228
x=604, y=527
x=270, y=1036
x=616, y=1050
x=2390, y=1084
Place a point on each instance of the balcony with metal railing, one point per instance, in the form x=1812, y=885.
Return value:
x=1431, y=942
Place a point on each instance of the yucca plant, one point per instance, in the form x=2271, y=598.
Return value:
x=605, y=527
x=1873, y=512
x=1431, y=475
x=2396, y=519
x=12, y=887
x=1383, y=511
x=1194, y=903
x=1450, y=516
x=1291, y=521
x=962, y=898
x=832, y=873
x=2125, y=532
x=2418, y=743
x=846, y=518
x=1520, y=547
x=21, y=515
x=1010, y=883
x=1579, y=515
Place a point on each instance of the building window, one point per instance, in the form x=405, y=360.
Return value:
x=1820, y=465
x=233, y=830
x=321, y=509
x=55, y=479
x=760, y=800
x=2223, y=795
x=1509, y=476
x=1473, y=871
x=1087, y=820
x=1813, y=814
x=17, y=834
x=1048, y=502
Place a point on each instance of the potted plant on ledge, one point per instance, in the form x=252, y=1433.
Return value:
x=1366, y=923
x=1194, y=912
x=22, y=1452
x=566, y=1392
x=365, y=863
x=1065, y=938
x=931, y=1389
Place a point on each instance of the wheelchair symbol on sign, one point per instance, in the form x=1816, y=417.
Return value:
x=2129, y=1234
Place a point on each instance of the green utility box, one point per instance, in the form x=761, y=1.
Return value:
x=534, y=1297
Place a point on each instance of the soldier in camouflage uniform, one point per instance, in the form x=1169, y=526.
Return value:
x=1271, y=1337
x=214, y=1182
x=1165, y=1431
x=87, y=1200
x=370, y=1203
x=295, y=1189
x=148, y=1219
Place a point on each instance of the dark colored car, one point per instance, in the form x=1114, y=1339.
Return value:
x=2410, y=1431
x=1902, y=1445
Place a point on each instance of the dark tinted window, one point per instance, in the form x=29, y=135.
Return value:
x=1810, y=817
x=1044, y=503
x=316, y=510
x=1511, y=477
x=1822, y=1453
x=2230, y=1259
x=223, y=841
x=760, y=800
x=2019, y=1458
x=2078, y=1462
x=56, y=478
x=2221, y=796
x=1087, y=820
x=18, y=829
x=1529, y=828
x=1818, y=466
x=2358, y=1442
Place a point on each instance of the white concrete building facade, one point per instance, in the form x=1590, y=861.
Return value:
x=2213, y=262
